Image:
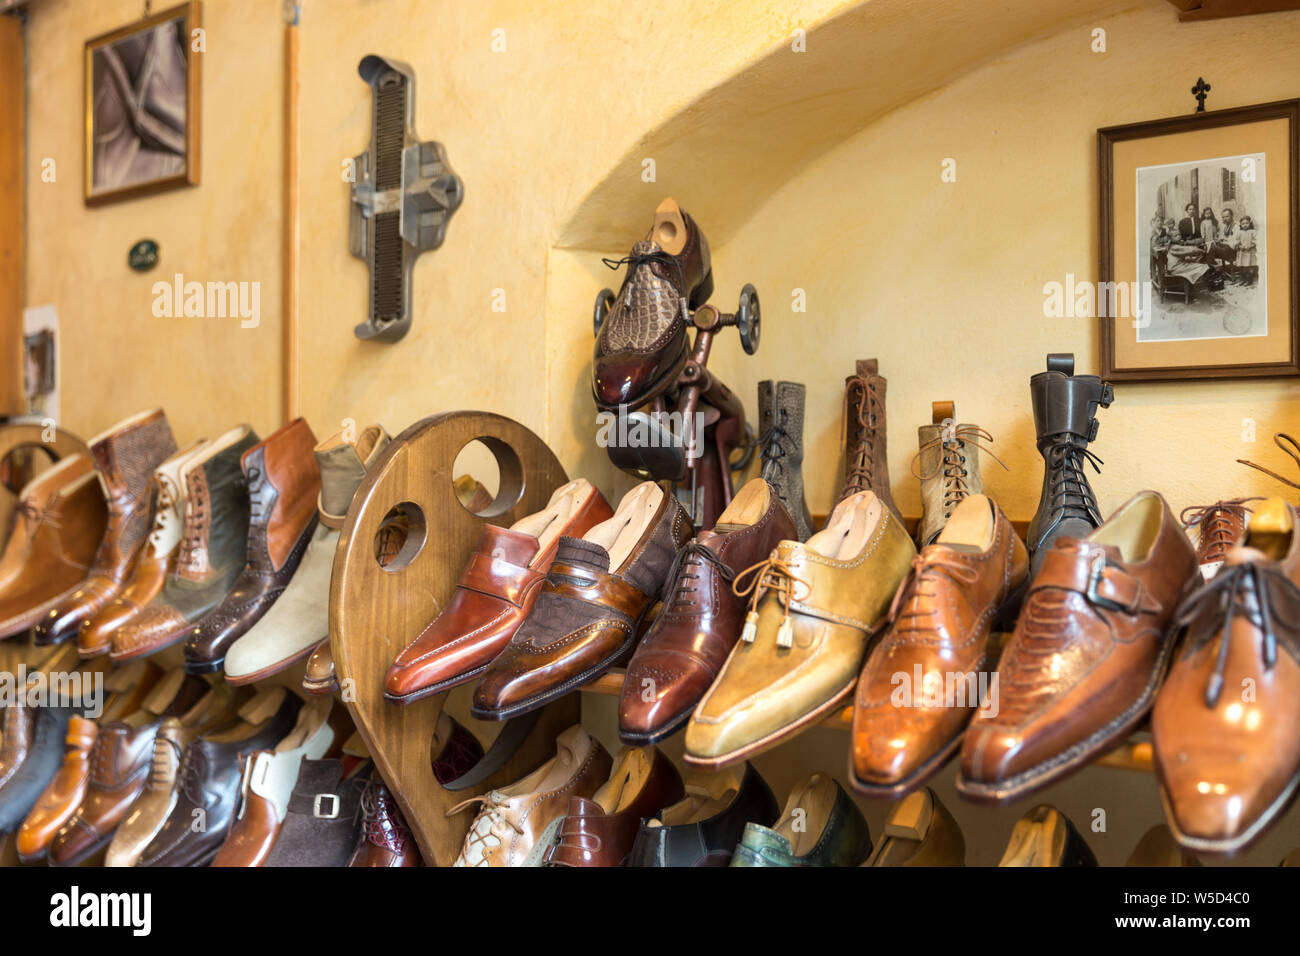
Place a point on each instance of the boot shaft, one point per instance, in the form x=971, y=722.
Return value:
x=125, y=458
x=948, y=465
x=863, y=434
x=216, y=507
x=780, y=420
x=283, y=482
x=342, y=465
x=169, y=502
x=1065, y=404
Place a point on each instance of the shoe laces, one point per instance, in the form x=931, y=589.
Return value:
x=684, y=575
x=1221, y=525
x=381, y=820
x=35, y=515
x=490, y=829
x=1281, y=439
x=1070, y=495
x=925, y=576
x=1248, y=589
x=166, y=758
x=861, y=413
x=775, y=443
x=951, y=464
x=635, y=261
x=773, y=575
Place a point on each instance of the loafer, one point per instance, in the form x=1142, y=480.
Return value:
x=815, y=607
x=589, y=612
x=686, y=646
x=820, y=826
x=496, y=592
x=1089, y=651
x=704, y=827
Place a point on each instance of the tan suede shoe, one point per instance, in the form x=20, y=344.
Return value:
x=817, y=606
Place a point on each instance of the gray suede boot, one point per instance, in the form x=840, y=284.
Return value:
x=780, y=418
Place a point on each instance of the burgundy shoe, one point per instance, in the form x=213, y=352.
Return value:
x=385, y=838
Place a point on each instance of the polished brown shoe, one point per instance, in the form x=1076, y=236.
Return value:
x=125, y=458
x=1087, y=655
x=212, y=551
x=922, y=682
x=600, y=831
x=63, y=795
x=385, y=838
x=864, y=435
x=119, y=767
x=283, y=483
x=155, y=562
x=689, y=641
x=589, y=612
x=1224, y=728
x=496, y=591
x=642, y=344
x=60, y=522
x=1220, y=527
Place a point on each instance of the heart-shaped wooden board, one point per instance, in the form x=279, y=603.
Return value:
x=376, y=610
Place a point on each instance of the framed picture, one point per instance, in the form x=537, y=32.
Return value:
x=142, y=107
x=1198, y=246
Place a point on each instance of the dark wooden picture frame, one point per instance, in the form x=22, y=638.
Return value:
x=1107, y=138
x=188, y=175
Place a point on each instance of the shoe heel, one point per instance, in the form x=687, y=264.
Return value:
x=702, y=291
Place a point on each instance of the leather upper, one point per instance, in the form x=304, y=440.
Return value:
x=1088, y=649
x=699, y=624
x=385, y=840
x=63, y=794
x=829, y=828
x=864, y=434
x=323, y=818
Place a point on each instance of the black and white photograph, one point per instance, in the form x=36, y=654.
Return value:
x=1201, y=249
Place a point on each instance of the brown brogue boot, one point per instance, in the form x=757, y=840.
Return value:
x=213, y=549
x=866, y=459
x=61, y=517
x=283, y=485
x=125, y=457
x=1220, y=528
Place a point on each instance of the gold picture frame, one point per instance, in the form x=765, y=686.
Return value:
x=142, y=84
x=1198, y=222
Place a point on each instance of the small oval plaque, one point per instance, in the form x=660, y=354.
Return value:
x=143, y=255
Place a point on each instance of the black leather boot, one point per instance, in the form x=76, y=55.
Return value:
x=780, y=418
x=1065, y=406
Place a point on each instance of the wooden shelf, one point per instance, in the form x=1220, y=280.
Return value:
x=1131, y=755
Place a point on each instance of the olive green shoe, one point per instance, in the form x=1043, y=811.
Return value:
x=820, y=826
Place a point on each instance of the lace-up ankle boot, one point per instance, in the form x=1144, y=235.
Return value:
x=947, y=463
x=866, y=463
x=1065, y=408
x=1220, y=526
x=780, y=418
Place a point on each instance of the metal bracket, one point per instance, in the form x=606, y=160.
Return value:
x=404, y=194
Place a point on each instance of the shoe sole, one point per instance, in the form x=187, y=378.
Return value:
x=265, y=672
x=779, y=736
x=892, y=791
x=203, y=667
x=436, y=688
x=573, y=683
x=634, y=739
x=321, y=686
x=1075, y=757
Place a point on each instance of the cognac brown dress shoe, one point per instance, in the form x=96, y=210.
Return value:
x=153, y=565
x=600, y=831
x=61, y=518
x=642, y=344
x=589, y=612
x=700, y=622
x=283, y=482
x=212, y=552
x=1220, y=527
x=125, y=458
x=497, y=590
x=1088, y=653
x=924, y=680
x=63, y=795
x=1227, y=750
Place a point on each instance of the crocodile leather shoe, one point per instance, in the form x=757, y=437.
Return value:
x=516, y=826
x=59, y=522
x=703, y=828
x=814, y=609
x=600, y=831
x=386, y=840
x=1088, y=653
x=642, y=344
x=283, y=483
x=62, y=797
x=125, y=458
x=689, y=641
x=906, y=724
x=153, y=565
x=1227, y=753
x=820, y=826
x=589, y=612
x=212, y=549
x=496, y=591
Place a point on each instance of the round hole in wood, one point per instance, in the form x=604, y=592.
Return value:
x=488, y=477
x=401, y=535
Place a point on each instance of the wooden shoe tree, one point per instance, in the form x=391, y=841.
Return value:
x=746, y=508
x=971, y=526
x=632, y=766
x=806, y=813
x=669, y=229
x=619, y=535
x=1044, y=837
x=1271, y=526
x=707, y=795
x=919, y=832
x=376, y=611
x=848, y=528
x=549, y=523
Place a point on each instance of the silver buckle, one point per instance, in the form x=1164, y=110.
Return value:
x=1094, y=578
x=334, y=807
